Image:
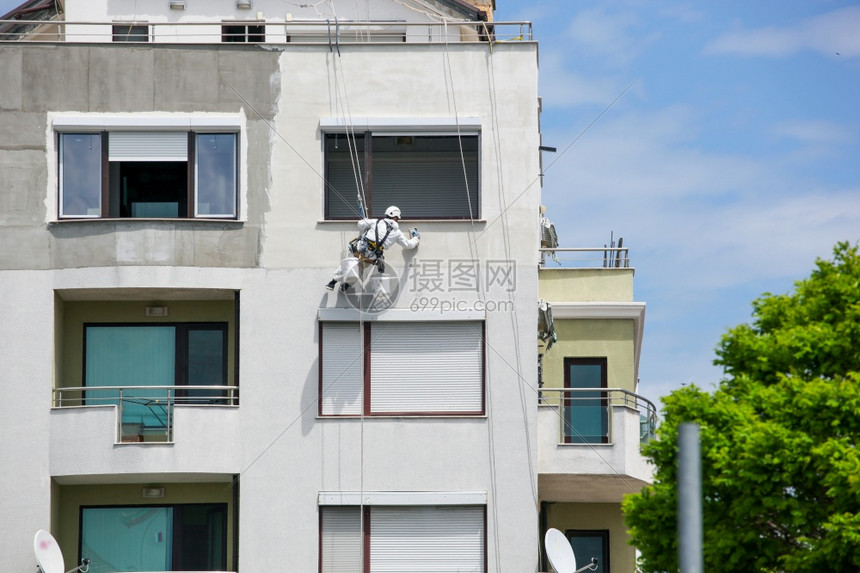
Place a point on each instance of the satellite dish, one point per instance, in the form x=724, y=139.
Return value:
x=559, y=551
x=49, y=557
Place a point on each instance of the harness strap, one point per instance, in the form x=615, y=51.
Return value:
x=378, y=245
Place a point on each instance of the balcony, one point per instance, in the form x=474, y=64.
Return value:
x=589, y=444
x=146, y=413
x=124, y=432
x=332, y=33
x=585, y=275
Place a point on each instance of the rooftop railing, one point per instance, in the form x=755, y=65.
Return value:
x=269, y=31
x=585, y=414
x=145, y=413
x=585, y=257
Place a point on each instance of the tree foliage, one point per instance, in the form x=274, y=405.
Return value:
x=780, y=466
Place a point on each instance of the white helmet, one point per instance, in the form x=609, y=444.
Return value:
x=392, y=212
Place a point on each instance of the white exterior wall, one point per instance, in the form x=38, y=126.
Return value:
x=300, y=251
x=281, y=19
x=26, y=356
x=284, y=453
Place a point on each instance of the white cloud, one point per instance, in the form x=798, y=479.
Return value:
x=705, y=220
x=815, y=132
x=561, y=88
x=609, y=37
x=832, y=33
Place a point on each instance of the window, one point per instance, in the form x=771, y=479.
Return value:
x=588, y=544
x=401, y=368
x=242, y=33
x=427, y=176
x=130, y=33
x=148, y=174
x=586, y=412
x=141, y=355
x=402, y=539
x=188, y=537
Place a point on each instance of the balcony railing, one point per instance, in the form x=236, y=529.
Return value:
x=585, y=414
x=585, y=257
x=268, y=31
x=145, y=413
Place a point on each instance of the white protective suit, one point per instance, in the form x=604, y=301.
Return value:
x=373, y=230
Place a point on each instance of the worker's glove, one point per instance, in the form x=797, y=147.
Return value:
x=414, y=232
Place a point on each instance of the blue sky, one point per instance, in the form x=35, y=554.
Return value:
x=728, y=167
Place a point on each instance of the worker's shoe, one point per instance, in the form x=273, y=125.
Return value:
x=380, y=266
x=331, y=284
x=344, y=287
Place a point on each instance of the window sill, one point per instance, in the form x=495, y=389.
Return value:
x=406, y=222
x=390, y=417
x=144, y=219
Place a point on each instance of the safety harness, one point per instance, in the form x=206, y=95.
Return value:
x=368, y=251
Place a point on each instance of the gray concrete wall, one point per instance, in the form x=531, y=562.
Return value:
x=38, y=79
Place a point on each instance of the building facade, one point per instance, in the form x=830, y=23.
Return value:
x=179, y=181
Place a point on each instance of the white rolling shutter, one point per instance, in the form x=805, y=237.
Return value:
x=342, y=368
x=426, y=367
x=340, y=550
x=427, y=539
x=148, y=146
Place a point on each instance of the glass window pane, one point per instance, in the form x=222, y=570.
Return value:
x=207, y=361
x=132, y=356
x=586, y=412
x=80, y=174
x=342, y=174
x=127, y=538
x=200, y=536
x=215, y=174
x=130, y=33
x=589, y=544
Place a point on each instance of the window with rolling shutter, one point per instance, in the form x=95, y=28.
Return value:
x=340, y=540
x=403, y=539
x=426, y=539
x=402, y=368
x=148, y=174
x=428, y=176
x=341, y=369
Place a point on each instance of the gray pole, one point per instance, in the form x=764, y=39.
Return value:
x=689, y=500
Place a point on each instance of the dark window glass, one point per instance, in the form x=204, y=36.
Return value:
x=241, y=33
x=130, y=33
x=427, y=176
x=588, y=544
x=150, y=188
x=586, y=413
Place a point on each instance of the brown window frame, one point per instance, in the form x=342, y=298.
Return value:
x=367, y=383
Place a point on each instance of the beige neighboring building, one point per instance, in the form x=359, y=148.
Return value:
x=591, y=421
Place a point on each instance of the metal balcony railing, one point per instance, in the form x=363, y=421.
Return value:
x=585, y=414
x=266, y=31
x=145, y=413
x=585, y=257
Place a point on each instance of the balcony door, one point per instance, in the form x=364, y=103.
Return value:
x=185, y=537
x=141, y=355
x=586, y=415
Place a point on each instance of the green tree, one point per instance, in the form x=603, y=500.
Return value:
x=779, y=436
